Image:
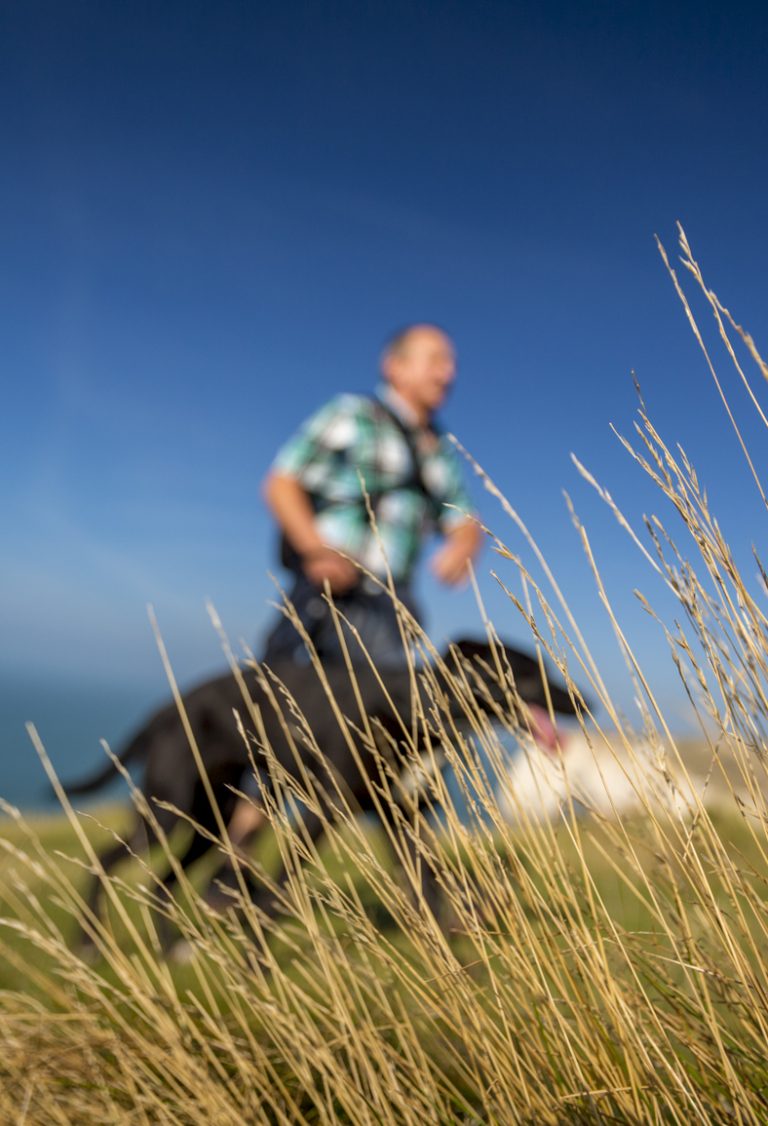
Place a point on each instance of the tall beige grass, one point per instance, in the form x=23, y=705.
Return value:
x=597, y=968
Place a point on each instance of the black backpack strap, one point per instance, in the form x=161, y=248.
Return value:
x=416, y=480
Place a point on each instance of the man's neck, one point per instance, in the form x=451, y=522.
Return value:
x=406, y=411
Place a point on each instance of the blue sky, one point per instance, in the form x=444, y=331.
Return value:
x=214, y=214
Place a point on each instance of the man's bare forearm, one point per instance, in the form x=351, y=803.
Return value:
x=461, y=545
x=292, y=509
x=469, y=535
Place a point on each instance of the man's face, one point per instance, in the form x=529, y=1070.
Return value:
x=423, y=368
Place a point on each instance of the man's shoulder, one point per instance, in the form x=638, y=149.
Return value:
x=337, y=424
x=351, y=402
x=348, y=406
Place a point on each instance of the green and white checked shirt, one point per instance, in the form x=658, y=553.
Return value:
x=350, y=436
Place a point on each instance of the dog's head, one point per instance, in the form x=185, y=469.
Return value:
x=498, y=669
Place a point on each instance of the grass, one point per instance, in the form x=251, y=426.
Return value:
x=597, y=968
x=484, y=1002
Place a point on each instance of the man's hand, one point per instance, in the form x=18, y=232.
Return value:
x=449, y=563
x=325, y=563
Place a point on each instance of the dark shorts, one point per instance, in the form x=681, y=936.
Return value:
x=368, y=610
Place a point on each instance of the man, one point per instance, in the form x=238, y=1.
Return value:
x=413, y=480
x=388, y=448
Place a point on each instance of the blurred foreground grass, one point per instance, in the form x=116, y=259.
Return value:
x=620, y=888
x=443, y=1027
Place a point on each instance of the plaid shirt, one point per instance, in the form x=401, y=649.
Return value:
x=351, y=436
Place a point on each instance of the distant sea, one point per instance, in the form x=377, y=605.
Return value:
x=71, y=717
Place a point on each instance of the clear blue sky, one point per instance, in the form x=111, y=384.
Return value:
x=214, y=213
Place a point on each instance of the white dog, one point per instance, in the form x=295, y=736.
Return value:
x=608, y=778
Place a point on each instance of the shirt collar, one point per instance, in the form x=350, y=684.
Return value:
x=397, y=403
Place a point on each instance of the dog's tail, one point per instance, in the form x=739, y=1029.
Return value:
x=137, y=748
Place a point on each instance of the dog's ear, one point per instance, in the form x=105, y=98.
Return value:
x=522, y=665
x=467, y=647
x=525, y=671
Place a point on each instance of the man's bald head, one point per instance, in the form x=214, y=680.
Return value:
x=419, y=363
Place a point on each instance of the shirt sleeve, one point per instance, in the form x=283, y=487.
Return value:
x=311, y=454
x=457, y=504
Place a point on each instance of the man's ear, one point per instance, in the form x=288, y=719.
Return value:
x=388, y=368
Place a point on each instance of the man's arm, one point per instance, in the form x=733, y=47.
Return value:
x=292, y=509
x=462, y=544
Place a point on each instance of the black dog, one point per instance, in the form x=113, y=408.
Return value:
x=278, y=709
